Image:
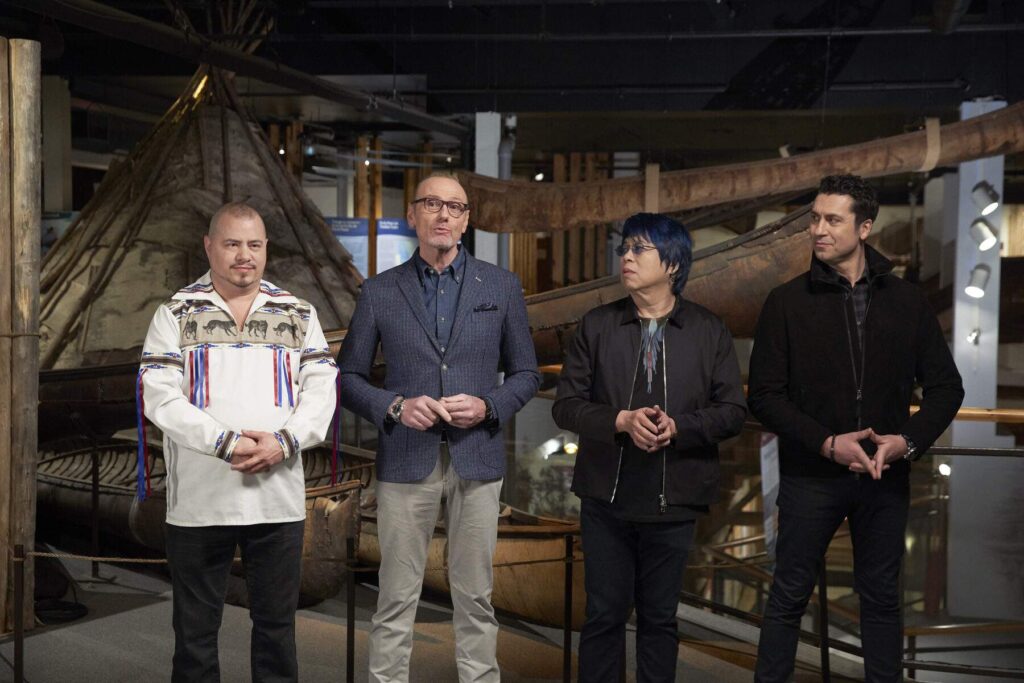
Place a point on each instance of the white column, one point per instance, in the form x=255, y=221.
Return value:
x=938, y=246
x=56, y=106
x=488, y=138
x=983, y=490
x=977, y=358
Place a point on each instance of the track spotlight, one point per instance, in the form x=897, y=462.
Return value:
x=571, y=448
x=539, y=176
x=974, y=336
x=983, y=234
x=945, y=470
x=979, y=279
x=985, y=197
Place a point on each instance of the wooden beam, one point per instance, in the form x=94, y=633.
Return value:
x=511, y=205
x=652, y=174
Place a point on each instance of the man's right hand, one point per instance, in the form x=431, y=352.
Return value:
x=848, y=452
x=639, y=424
x=423, y=412
x=244, y=449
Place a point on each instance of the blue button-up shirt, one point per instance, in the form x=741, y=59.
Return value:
x=441, y=294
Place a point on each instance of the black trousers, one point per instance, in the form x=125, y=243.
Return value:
x=627, y=564
x=200, y=561
x=810, y=511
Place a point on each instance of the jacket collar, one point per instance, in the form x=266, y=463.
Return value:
x=877, y=266
x=628, y=313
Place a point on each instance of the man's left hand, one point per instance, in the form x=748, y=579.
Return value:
x=666, y=428
x=267, y=454
x=466, y=411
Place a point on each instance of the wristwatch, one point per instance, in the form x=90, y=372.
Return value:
x=395, y=409
x=911, y=448
x=488, y=412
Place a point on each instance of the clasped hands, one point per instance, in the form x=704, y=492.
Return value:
x=651, y=429
x=849, y=452
x=461, y=410
x=256, y=452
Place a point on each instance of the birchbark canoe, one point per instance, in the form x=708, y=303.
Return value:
x=529, y=565
x=64, y=490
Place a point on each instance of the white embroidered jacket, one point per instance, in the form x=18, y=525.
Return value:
x=204, y=380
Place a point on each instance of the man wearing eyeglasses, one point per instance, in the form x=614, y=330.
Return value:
x=446, y=324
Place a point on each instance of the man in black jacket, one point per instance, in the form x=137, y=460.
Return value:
x=651, y=384
x=836, y=356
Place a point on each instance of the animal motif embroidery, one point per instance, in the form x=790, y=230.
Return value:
x=257, y=327
x=191, y=328
x=286, y=327
x=227, y=325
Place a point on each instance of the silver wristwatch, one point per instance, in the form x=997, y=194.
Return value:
x=395, y=410
x=911, y=448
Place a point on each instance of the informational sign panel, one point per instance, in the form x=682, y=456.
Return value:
x=770, y=490
x=354, y=235
x=396, y=241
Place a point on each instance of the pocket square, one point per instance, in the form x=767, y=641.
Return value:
x=485, y=307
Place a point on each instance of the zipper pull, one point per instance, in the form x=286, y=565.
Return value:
x=860, y=395
x=662, y=503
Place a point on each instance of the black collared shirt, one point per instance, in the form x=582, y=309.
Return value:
x=441, y=293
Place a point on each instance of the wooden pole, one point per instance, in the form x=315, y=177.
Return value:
x=589, y=233
x=516, y=205
x=26, y=155
x=361, y=188
x=558, y=175
x=575, y=255
x=601, y=248
x=6, y=285
x=376, y=201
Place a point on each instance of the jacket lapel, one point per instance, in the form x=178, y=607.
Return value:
x=470, y=292
x=412, y=289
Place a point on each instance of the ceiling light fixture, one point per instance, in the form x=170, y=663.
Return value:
x=983, y=234
x=974, y=336
x=985, y=197
x=539, y=177
x=979, y=279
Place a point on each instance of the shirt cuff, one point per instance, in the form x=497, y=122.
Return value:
x=225, y=446
x=289, y=444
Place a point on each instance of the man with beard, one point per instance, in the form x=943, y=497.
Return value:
x=446, y=324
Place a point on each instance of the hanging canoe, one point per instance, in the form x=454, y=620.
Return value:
x=64, y=494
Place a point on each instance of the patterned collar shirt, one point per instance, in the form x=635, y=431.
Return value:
x=203, y=379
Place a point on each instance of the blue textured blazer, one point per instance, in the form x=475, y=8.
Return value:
x=490, y=334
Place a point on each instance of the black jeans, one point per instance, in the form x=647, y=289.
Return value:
x=810, y=511
x=627, y=564
x=200, y=561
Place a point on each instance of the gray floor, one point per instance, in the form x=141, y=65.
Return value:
x=127, y=637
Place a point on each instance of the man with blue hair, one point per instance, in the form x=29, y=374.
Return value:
x=652, y=385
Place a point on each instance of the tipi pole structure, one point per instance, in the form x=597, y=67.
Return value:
x=522, y=206
x=126, y=26
x=20, y=163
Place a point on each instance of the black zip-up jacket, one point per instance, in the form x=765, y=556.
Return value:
x=810, y=378
x=705, y=398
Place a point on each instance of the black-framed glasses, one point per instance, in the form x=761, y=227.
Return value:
x=433, y=205
x=636, y=248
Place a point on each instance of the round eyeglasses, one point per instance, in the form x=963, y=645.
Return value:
x=637, y=248
x=433, y=205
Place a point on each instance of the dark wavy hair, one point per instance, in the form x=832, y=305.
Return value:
x=675, y=246
x=865, y=201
